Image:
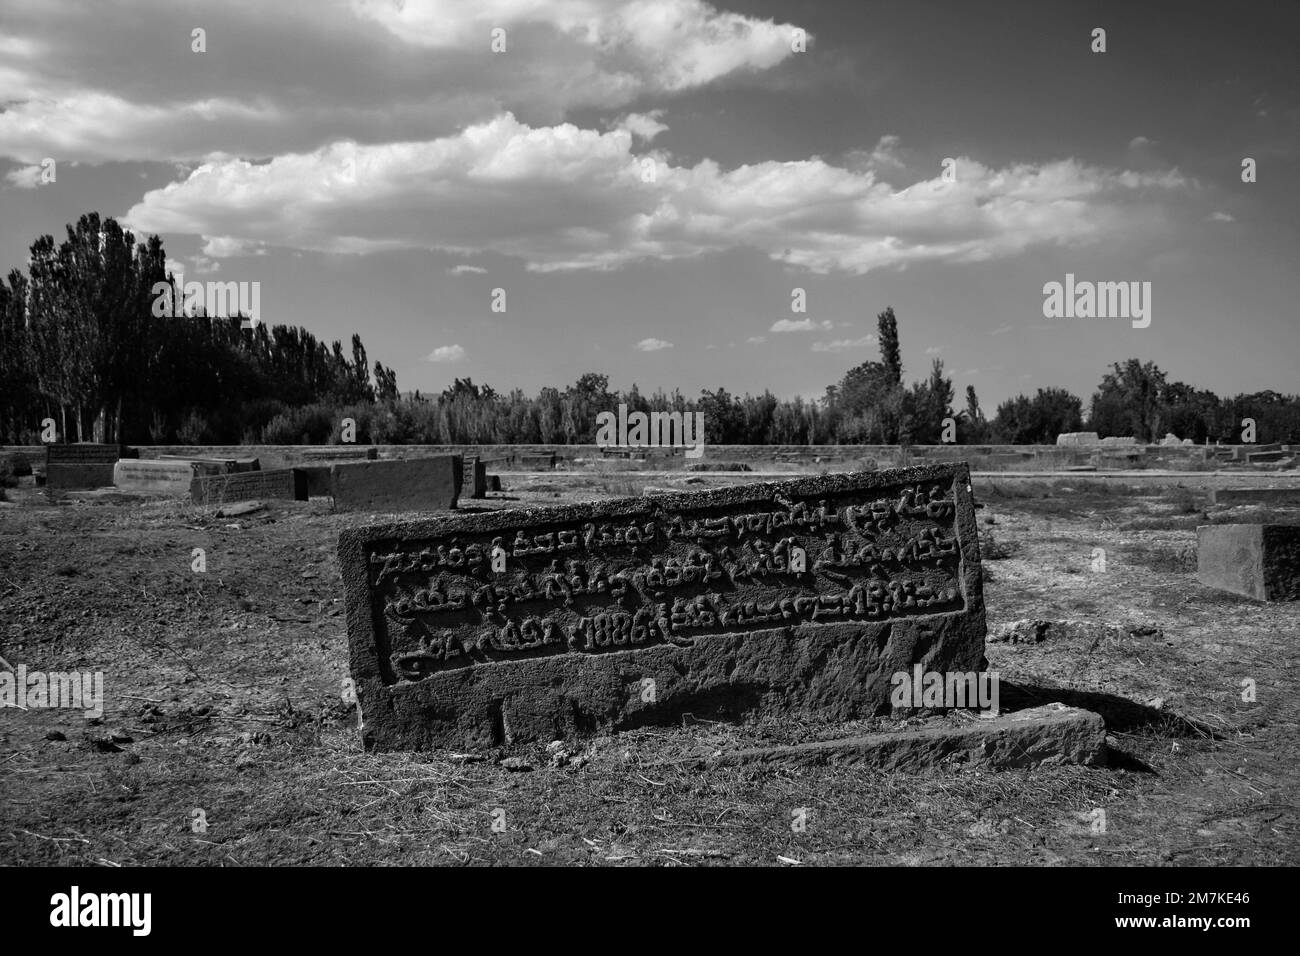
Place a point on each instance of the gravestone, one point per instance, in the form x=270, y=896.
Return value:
x=1255, y=496
x=147, y=477
x=474, y=482
x=341, y=453
x=1260, y=561
x=412, y=484
x=217, y=466
x=284, y=483
x=82, y=466
x=613, y=615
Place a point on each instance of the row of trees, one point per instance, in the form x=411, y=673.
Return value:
x=80, y=342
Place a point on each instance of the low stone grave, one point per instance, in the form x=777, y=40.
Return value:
x=411, y=484
x=283, y=483
x=341, y=453
x=802, y=598
x=217, y=466
x=1255, y=496
x=1260, y=561
x=82, y=466
x=154, y=477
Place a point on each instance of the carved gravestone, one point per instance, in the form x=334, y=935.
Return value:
x=284, y=483
x=81, y=466
x=801, y=597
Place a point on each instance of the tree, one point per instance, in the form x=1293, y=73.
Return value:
x=1038, y=420
x=1131, y=400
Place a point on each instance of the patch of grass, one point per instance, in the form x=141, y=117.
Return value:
x=1165, y=558
x=991, y=549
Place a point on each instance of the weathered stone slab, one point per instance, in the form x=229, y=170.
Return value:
x=341, y=453
x=82, y=465
x=284, y=483
x=217, y=466
x=146, y=477
x=1260, y=561
x=1255, y=496
x=474, y=482
x=1266, y=456
x=635, y=611
x=1047, y=736
x=1078, y=438
x=414, y=484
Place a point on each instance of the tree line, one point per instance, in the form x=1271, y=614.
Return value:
x=81, y=343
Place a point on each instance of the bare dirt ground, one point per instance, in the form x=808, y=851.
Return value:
x=223, y=705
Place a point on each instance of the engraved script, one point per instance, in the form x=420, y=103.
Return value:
x=617, y=585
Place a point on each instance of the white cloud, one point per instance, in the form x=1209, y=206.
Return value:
x=1137, y=142
x=560, y=197
x=1001, y=330
x=800, y=325
x=1222, y=217
x=24, y=177
x=756, y=339
x=653, y=345
x=464, y=269
x=933, y=350
x=287, y=77
x=643, y=125
x=446, y=353
x=842, y=345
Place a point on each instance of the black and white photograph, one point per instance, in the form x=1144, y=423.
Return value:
x=650, y=434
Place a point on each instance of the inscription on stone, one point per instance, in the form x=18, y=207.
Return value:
x=803, y=595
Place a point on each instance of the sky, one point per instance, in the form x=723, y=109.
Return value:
x=649, y=182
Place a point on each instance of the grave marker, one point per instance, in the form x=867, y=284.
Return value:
x=691, y=591
x=1260, y=561
x=414, y=484
x=284, y=483
x=82, y=466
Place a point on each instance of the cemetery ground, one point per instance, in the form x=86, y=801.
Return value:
x=223, y=707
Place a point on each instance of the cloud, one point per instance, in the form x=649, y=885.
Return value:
x=841, y=345
x=653, y=345
x=1001, y=330
x=756, y=339
x=281, y=77
x=446, y=353
x=463, y=269
x=1137, y=142
x=561, y=197
x=1222, y=217
x=24, y=177
x=643, y=125
x=800, y=325
x=933, y=350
